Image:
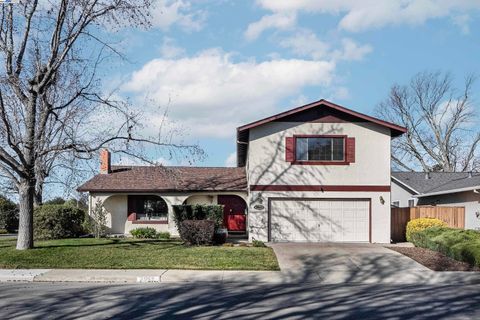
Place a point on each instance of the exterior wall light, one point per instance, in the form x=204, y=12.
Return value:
x=382, y=201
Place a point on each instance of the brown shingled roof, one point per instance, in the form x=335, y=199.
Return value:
x=167, y=179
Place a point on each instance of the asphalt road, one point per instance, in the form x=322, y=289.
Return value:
x=240, y=301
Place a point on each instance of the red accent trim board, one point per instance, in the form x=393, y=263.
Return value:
x=324, y=188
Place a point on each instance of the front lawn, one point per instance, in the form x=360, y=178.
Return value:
x=461, y=245
x=134, y=254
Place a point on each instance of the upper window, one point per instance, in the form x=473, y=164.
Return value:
x=320, y=149
x=149, y=207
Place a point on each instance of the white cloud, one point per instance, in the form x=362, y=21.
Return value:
x=305, y=43
x=231, y=160
x=352, y=50
x=462, y=21
x=281, y=21
x=367, y=14
x=166, y=13
x=170, y=50
x=211, y=94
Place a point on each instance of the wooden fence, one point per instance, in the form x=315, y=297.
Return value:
x=453, y=216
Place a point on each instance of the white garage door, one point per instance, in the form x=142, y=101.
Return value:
x=320, y=220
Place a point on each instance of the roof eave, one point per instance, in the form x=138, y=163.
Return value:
x=404, y=184
x=396, y=130
x=157, y=190
x=438, y=193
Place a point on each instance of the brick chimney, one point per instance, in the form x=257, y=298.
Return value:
x=105, y=164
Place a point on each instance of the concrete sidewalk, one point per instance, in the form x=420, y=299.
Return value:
x=138, y=275
x=337, y=276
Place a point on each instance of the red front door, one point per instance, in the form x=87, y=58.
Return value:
x=234, y=217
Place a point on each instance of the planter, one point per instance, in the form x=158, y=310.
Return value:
x=220, y=236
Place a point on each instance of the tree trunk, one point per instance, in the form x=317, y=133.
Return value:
x=25, y=226
x=38, y=200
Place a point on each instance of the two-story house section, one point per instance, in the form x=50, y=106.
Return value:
x=319, y=172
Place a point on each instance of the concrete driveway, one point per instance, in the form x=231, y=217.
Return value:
x=356, y=263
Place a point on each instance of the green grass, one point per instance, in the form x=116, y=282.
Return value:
x=462, y=245
x=134, y=254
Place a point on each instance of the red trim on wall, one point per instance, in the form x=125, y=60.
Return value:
x=290, y=149
x=321, y=163
x=322, y=188
x=350, y=149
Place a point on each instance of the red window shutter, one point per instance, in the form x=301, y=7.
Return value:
x=131, y=216
x=289, y=152
x=350, y=150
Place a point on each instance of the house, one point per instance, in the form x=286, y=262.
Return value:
x=439, y=189
x=319, y=172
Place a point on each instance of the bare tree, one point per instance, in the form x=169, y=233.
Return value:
x=440, y=121
x=51, y=96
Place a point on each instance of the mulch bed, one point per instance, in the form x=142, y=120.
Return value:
x=434, y=260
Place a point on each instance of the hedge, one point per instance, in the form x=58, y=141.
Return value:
x=422, y=224
x=197, y=232
x=462, y=245
x=54, y=221
x=144, y=233
x=8, y=215
x=212, y=212
x=149, y=233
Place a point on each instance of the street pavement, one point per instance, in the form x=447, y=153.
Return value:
x=201, y=300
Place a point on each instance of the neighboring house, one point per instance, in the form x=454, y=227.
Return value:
x=319, y=172
x=439, y=188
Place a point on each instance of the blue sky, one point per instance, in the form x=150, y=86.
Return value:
x=220, y=64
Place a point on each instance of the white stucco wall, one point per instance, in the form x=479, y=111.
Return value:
x=467, y=199
x=267, y=165
x=380, y=213
x=401, y=194
x=116, y=206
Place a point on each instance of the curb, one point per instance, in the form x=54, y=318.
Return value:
x=146, y=276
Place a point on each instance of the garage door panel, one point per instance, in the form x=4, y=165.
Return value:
x=320, y=220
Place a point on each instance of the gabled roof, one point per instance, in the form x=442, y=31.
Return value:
x=167, y=179
x=396, y=129
x=243, y=131
x=438, y=182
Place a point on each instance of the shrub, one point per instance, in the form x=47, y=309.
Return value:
x=416, y=225
x=144, y=233
x=56, y=200
x=212, y=212
x=258, y=243
x=95, y=223
x=58, y=221
x=8, y=215
x=197, y=232
x=462, y=245
x=163, y=235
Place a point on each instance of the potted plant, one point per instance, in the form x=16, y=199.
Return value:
x=220, y=236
